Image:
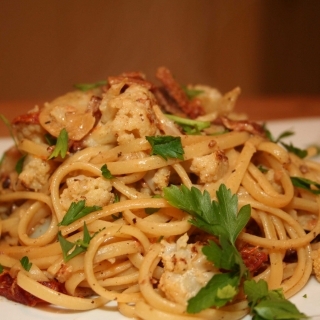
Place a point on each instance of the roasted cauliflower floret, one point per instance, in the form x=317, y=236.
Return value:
x=125, y=116
x=36, y=172
x=161, y=178
x=186, y=270
x=96, y=191
x=213, y=101
x=316, y=263
x=158, y=179
x=135, y=117
x=211, y=167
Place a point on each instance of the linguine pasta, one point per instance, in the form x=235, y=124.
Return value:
x=132, y=246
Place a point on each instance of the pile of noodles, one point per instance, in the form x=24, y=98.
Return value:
x=122, y=262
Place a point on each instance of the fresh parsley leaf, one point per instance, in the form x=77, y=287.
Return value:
x=19, y=164
x=76, y=211
x=90, y=86
x=166, y=146
x=220, y=218
x=51, y=140
x=25, y=263
x=289, y=147
x=1, y=268
x=272, y=310
x=106, y=172
x=188, y=125
x=281, y=136
x=306, y=184
x=269, y=304
x=61, y=147
x=263, y=169
x=77, y=247
x=225, y=256
x=301, y=153
x=191, y=93
x=153, y=210
x=220, y=289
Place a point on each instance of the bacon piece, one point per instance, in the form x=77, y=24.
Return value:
x=10, y=290
x=241, y=125
x=28, y=118
x=253, y=257
x=192, y=108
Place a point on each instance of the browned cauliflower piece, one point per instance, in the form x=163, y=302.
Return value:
x=186, y=270
x=125, y=116
x=316, y=263
x=158, y=179
x=211, y=167
x=96, y=191
x=213, y=101
x=36, y=172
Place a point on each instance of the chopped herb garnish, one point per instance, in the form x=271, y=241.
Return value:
x=77, y=247
x=305, y=296
x=61, y=147
x=166, y=146
x=301, y=153
x=281, y=136
x=76, y=211
x=19, y=164
x=106, y=172
x=269, y=304
x=191, y=93
x=153, y=210
x=51, y=140
x=221, y=219
x=306, y=184
x=1, y=268
x=25, y=263
x=188, y=125
x=90, y=86
x=263, y=169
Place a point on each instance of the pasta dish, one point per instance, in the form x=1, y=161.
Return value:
x=159, y=198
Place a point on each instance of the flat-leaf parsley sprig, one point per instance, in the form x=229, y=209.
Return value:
x=221, y=219
x=61, y=147
x=166, y=147
x=72, y=249
x=269, y=304
x=76, y=211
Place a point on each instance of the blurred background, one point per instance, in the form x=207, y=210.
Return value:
x=267, y=47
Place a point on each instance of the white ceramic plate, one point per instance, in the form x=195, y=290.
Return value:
x=307, y=132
